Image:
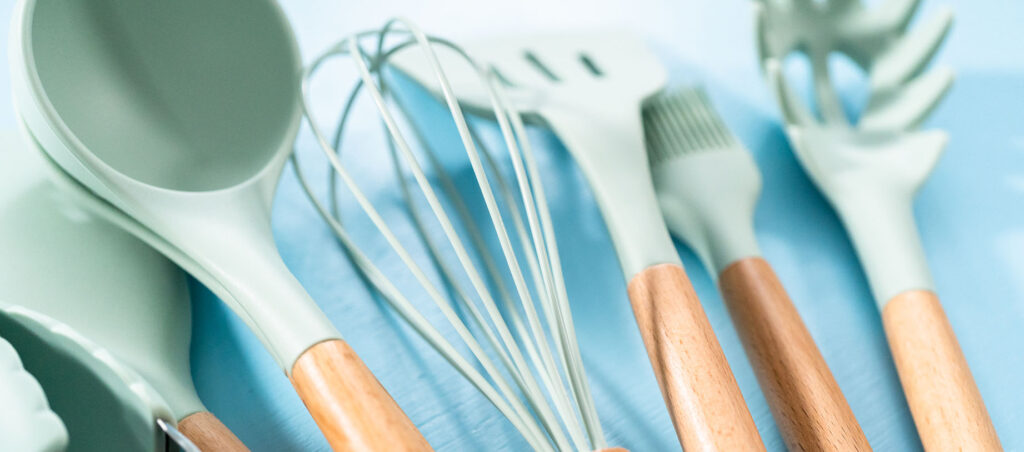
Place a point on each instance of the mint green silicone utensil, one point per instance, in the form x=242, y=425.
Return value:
x=707, y=186
x=870, y=167
x=104, y=404
x=113, y=289
x=189, y=114
x=26, y=420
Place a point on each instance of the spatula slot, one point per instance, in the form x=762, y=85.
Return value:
x=501, y=77
x=540, y=66
x=591, y=65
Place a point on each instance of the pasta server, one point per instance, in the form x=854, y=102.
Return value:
x=707, y=186
x=870, y=169
x=190, y=114
x=588, y=89
x=113, y=289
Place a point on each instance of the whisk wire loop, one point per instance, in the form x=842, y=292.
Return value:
x=561, y=399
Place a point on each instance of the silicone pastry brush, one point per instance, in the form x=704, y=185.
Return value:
x=870, y=168
x=588, y=88
x=707, y=186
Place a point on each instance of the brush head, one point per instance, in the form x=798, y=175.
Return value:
x=683, y=121
x=707, y=184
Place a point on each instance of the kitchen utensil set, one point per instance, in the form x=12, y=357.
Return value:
x=144, y=124
x=870, y=167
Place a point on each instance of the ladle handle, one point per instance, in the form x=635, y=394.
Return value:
x=703, y=398
x=944, y=400
x=352, y=409
x=805, y=399
x=209, y=433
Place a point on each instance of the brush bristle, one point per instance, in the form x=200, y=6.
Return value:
x=683, y=121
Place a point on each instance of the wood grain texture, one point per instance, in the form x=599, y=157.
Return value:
x=944, y=400
x=700, y=391
x=805, y=400
x=209, y=434
x=352, y=409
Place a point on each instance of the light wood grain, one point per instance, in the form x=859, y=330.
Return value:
x=350, y=406
x=209, y=434
x=804, y=398
x=944, y=400
x=703, y=398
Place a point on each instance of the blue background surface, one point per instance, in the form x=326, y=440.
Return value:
x=969, y=212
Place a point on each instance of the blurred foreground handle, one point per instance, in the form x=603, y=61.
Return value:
x=703, y=398
x=805, y=399
x=352, y=409
x=943, y=397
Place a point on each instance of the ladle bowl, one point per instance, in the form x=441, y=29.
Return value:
x=182, y=114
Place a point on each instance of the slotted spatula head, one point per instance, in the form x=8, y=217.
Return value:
x=548, y=71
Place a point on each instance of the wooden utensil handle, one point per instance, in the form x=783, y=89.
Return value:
x=944, y=400
x=805, y=399
x=209, y=434
x=352, y=409
x=703, y=398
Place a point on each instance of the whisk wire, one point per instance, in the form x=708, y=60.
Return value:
x=431, y=334
x=447, y=227
x=555, y=370
x=475, y=237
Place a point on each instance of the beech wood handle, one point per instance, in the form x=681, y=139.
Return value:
x=944, y=400
x=352, y=409
x=804, y=398
x=703, y=398
x=209, y=434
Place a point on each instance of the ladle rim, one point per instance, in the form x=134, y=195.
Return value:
x=24, y=61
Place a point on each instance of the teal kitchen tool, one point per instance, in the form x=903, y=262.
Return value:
x=104, y=404
x=188, y=117
x=515, y=303
x=870, y=168
x=588, y=87
x=707, y=186
x=113, y=289
x=26, y=421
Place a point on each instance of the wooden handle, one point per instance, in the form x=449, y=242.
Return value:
x=805, y=399
x=209, y=434
x=351, y=407
x=703, y=398
x=943, y=397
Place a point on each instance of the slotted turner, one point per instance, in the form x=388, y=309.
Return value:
x=588, y=88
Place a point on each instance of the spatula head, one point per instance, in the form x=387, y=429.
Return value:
x=547, y=70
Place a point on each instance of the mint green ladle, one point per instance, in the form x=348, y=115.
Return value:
x=182, y=114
